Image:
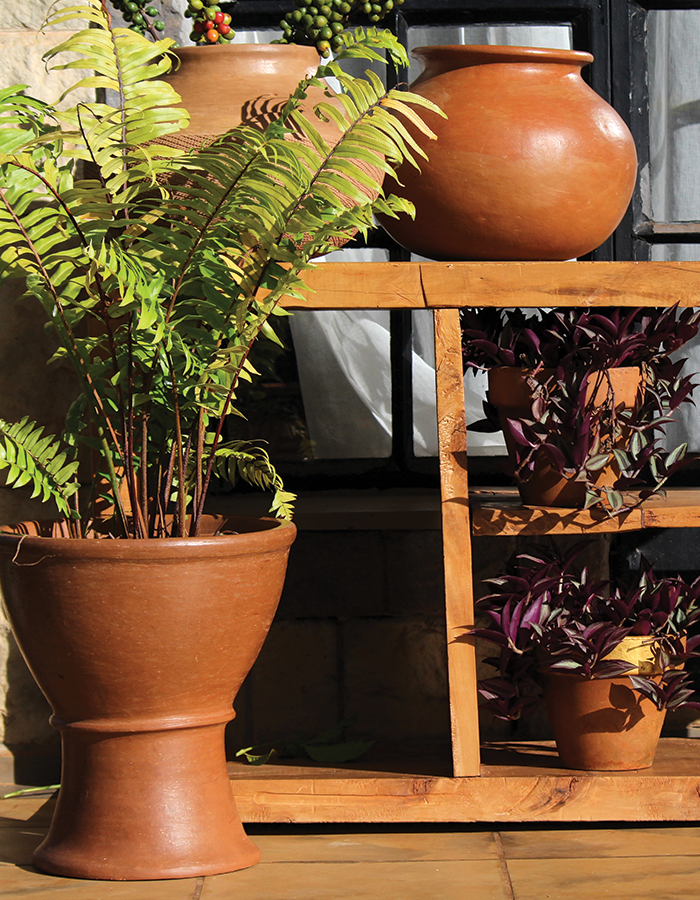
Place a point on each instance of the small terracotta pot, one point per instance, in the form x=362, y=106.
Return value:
x=512, y=397
x=641, y=652
x=601, y=724
x=140, y=647
x=530, y=163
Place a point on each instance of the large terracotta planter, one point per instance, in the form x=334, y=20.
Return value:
x=602, y=724
x=140, y=647
x=510, y=394
x=530, y=164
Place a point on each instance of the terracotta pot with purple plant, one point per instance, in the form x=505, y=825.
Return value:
x=582, y=397
x=606, y=658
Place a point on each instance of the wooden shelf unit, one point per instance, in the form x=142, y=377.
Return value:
x=517, y=783
x=528, y=785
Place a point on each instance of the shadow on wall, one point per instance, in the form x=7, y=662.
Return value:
x=33, y=747
x=27, y=387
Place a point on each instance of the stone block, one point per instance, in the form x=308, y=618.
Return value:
x=21, y=53
x=335, y=573
x=415, y=574
x=29, y=15
x=27, y=385
x=395, y=678
x=294, y=683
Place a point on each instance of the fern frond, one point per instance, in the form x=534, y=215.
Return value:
x=366, y=43
x=131, y=66
x=242, y=459
x=29, y=457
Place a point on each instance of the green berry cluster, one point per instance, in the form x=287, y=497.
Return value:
x=321, y=22
x=210, y=25
x=140, y=16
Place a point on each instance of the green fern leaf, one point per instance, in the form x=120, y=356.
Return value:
x=26, y=458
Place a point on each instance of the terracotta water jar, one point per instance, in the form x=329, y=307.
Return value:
x=510, y=394
x=140, y=647
x=530, y=164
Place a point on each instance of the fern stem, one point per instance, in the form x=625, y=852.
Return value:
x=144, y=470
x=170, y=474
x=98, y=169
x=199, y=462
x=116, y=492
x=120, y=82
x=181, y=488
x=214, y=214
x=127, y=416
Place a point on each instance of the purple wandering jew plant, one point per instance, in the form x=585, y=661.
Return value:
x=547, y=614
x=566, y=353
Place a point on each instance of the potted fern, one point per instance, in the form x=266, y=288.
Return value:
x=138, y=613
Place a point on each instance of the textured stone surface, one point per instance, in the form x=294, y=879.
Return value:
x=21, y=54
x=415, y=579
x=29, y=15
x=335, y=573
x=27, y=385
x=395, y=676
x=294, y=683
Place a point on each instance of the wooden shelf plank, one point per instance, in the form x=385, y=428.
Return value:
x=560, y=284
x=518, y=783
x=375, y=285
x=432, y=285
x=499, y=511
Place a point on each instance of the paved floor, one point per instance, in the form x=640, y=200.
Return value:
x=395, y=863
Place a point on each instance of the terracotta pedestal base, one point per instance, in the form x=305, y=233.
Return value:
x=141, y=647
x=182, y=816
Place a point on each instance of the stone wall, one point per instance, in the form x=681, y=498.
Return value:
x=27, y=387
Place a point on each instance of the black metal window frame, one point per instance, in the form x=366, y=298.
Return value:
x=631, y=98
x=614, y=31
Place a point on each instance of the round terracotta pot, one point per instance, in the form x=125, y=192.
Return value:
x=140, y=647
x=257, y=80
x=530, y=164
x=601, y=723
x=512, y=397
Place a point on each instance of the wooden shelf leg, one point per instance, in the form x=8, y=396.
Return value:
x=456, y=536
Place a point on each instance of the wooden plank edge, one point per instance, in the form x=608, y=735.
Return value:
x=414, y=285
x=546, y=798
x=681, y=509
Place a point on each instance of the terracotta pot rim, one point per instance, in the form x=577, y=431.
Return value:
x=248, y=50
x=480, y=53
x=274, y=532
x=554, y=672
x=552, y=369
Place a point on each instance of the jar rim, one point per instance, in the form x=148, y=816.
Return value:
x=480, y=53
